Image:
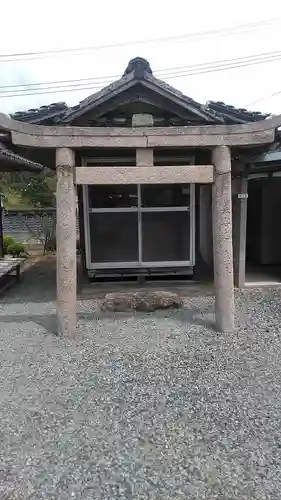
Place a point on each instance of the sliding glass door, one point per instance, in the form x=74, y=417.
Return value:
x=139, y=226
x=165, y=224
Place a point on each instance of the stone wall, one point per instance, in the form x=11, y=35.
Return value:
x=24, y=225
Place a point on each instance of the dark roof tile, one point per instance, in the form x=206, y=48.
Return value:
x=9, y=157
x=236, y=115
x=39, y=115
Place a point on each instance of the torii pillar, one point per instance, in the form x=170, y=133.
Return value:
x=66, y=242
x=222, y=239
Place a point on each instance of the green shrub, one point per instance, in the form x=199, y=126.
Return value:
x=7, y=241
x=17, y=249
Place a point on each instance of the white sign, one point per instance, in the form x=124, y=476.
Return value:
x=242, y=196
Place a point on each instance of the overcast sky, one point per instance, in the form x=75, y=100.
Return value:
x=32, y=26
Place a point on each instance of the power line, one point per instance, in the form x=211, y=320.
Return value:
x=54, y=82
x=168, y=73
x=98, y=79
x=162, y=73
x=263, y=98
x=188, y=36
x=213, y=69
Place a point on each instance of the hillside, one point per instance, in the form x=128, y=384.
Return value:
x=25, y=190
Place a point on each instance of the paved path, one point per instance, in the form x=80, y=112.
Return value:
x=139, y=407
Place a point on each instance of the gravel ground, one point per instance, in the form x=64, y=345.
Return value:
x=154, y=406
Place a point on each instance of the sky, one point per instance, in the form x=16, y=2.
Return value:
x=33, y=26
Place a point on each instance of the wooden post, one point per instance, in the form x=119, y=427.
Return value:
x=82, y=250
x=239, y=214
x=222, y=240
x=66, y=242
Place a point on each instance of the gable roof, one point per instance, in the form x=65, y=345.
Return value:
x=136, y=82
x=138, y=73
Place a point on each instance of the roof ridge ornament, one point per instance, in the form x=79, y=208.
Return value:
x=140, y=66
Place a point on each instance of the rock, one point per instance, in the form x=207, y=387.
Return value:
x=141, y=301
x=152, y=301
x=119, y=302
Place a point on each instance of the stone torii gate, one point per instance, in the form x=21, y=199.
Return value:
x=66, y=140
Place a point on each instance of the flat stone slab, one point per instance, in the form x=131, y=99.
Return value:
x=147, y=301
x=8, y=265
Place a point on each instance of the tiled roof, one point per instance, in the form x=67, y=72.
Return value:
x=233, y=114
x=141, y=72
x=115, y=87
x=139, y=69
x=44, y=113
x=184, y=99
x=10, y=159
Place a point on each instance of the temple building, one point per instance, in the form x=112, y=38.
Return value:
x=165, y=185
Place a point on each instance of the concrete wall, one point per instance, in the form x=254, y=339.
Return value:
x=24, y=226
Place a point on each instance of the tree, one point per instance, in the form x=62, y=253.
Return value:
x=40, y=190
x=24, y=188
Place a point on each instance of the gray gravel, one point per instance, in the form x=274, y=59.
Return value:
x=152, y=406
